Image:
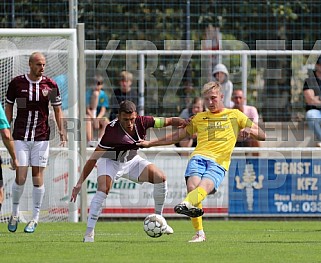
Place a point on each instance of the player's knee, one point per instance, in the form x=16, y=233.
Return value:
x=20, y=180
x=104, y=184
x=103, y=188
x=159, y=177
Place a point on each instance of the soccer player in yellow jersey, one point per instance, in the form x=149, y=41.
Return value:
x=217, y=130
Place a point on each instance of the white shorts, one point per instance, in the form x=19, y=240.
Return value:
x=32, y=153
x=130, y=170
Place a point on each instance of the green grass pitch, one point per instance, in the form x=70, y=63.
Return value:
x=125, y=241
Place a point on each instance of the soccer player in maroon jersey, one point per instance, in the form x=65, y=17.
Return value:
x=116, y=156
x=32, y=93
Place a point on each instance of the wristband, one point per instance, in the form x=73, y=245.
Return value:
x=159, y=122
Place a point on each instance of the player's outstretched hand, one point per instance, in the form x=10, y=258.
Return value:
x=183, y=123
x=75, y=192
x=244, y=134
x=143, y=144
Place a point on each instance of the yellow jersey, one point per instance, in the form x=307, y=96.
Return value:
x=217, y=134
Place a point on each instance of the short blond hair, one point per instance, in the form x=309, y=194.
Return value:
x=125, y=75
x=211, y=85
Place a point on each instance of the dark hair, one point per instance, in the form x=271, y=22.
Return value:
x=96, y=80
x=127, y=107
x=319, y=61
x=195, y=100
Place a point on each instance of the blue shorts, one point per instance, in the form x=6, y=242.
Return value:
x=205, y=168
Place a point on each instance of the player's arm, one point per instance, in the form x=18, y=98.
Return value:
x=255, y=132
x=60, y=123
x=8, y=143
x=174, y=121
x=89, y=166
x=166, y=140
x=9, y=111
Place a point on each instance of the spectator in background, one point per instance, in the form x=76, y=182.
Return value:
x=62, y=82
x=124, y=92
x=195, y=107
x=251, y=112
x=221, y=75
x=185, y=95
x=97, y=102
x=312, y=94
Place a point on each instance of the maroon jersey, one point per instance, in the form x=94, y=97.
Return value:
x=119, y=145
x=32, y=98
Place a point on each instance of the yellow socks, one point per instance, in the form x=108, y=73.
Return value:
x=196, y=196
x=197, y=222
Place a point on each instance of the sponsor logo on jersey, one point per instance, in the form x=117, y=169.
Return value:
x=45, y=92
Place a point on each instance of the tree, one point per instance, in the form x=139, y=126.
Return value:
x=160, y=20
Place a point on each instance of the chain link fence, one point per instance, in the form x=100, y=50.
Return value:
x=252, y=23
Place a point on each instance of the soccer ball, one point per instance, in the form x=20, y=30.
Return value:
x=155, y=225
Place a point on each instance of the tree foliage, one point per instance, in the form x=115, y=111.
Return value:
x=160, y=20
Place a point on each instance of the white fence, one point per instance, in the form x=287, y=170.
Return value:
x=128, y=199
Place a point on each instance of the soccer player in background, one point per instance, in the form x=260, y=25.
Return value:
x=32, y=92
x=6, y=138
x=217, y=130
x=116, y=156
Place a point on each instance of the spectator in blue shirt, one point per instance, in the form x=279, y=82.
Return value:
x=97, y=102
x=62, y=82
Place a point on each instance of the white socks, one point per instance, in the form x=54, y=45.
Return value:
x=94, y=211
x=37, y=197
x=160, y=191
x=17, y=191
